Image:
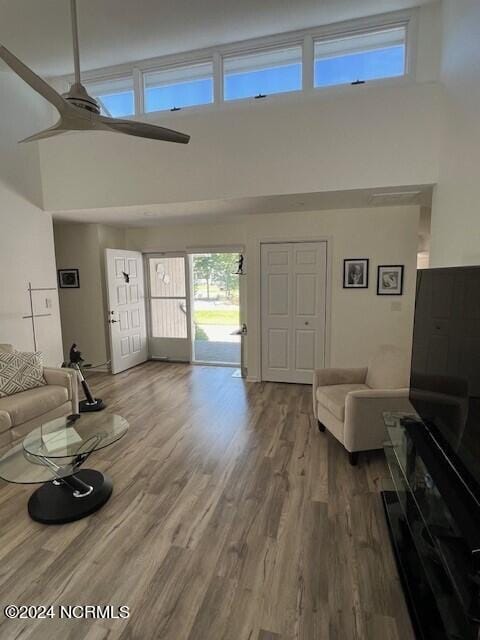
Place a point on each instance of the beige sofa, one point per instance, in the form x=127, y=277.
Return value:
x=350, y=402
x=21, y=412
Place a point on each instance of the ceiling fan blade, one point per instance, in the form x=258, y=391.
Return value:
x=144, y=130
x=31, y=78
x=56, y=130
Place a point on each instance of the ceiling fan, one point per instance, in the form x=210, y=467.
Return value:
x=79, y=111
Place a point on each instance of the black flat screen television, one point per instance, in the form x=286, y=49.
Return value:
x=445, y=375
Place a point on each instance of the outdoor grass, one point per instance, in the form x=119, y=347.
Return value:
x=217, y=316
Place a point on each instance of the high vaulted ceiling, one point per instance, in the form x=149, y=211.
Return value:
x=118, y=31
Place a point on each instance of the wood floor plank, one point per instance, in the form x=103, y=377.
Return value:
x=232, y=518
x=268, y=635
x=211, y=620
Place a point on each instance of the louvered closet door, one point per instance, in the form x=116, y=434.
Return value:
x=293, y=281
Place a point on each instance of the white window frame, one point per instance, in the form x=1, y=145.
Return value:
x=112, y=78
x=405, y=24
x=289, y=44
x=305, y=38
x=171, y=67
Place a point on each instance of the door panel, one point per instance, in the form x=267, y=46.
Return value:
x=123, y=320
x=136, y=343
x=168, y=319
x=133, y=293
x=306, y=294
x=132, y=268
x=169, y=308
x=135, y=316
x=119, y=267
x=128, y=338
x=121, y=294
x=124, y=346
x=293, y=281
x=305, y=256
x=278, y=257
x=278, y=349
x=305, y=350
x=278, y=290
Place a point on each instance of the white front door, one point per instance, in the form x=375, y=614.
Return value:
x=293, y=281
x=126, y=308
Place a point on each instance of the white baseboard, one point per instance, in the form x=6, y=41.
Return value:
x=253, y=379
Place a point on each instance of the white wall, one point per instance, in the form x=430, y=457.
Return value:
x=319, y=140
x=429, y=42
x=456, y=208
x=360, y=320
x=83, y=310
x=26, y=236
x=344, y=138
x=376, y=135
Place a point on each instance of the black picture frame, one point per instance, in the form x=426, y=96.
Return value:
x=395, y=286
x=68, y=278
x=350, y=272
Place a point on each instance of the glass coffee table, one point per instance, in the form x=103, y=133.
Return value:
x=52, y=455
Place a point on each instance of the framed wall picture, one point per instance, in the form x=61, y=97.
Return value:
x=355, y=273
x=390, y=280
x=68, y=279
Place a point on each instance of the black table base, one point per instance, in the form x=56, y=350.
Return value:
x=71, y=498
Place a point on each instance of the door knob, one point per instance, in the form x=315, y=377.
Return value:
x=306, y=323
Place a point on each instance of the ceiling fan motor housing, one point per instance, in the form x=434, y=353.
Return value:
x=79, y=97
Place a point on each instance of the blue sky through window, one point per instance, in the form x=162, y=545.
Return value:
x=181, y=94
x=388, y=62
x=119, y=104
x=344, y=59
x=263, y=81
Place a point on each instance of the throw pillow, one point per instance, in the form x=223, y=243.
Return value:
x=20, y=372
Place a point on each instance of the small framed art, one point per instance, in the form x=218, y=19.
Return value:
x=68, y=279
x=355, y=273
x=390, y=280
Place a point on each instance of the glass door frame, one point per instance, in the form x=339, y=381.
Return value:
x=186, y=354
x=214, y=250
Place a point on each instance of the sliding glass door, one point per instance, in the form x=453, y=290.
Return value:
x=169, y=309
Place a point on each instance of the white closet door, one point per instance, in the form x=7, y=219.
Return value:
x=293, y=281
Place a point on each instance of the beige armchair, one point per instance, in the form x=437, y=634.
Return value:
x=21, y=412
x=350, y=402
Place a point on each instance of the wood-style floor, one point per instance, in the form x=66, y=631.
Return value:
x=232, y=518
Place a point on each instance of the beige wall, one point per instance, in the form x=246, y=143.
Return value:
x=456, y=206
x=359, y=320
x=345, y=138
x=83, y=310
x=26, y=235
